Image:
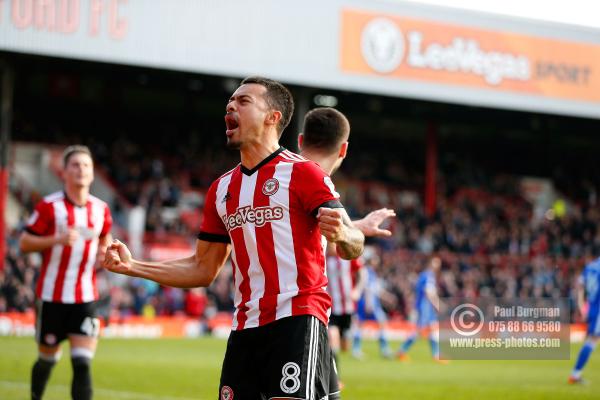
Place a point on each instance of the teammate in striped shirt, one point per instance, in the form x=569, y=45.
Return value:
x=69, y=228
x=270, y=212
x=341, y=275
x=324, y=139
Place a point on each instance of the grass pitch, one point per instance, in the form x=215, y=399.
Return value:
x=185, y=369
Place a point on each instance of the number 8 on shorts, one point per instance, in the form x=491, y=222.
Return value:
x=290, y=383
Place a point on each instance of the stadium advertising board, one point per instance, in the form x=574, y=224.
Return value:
x=394, y=47
x=131, y=326
x=67, y=17
x=23, y=324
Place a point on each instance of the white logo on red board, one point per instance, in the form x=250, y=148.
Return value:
x=382, y=45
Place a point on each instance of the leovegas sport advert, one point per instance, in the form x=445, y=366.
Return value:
x=396, y=47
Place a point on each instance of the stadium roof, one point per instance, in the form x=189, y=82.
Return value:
x=379, y=47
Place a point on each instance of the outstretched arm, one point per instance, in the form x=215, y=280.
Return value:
x=199, y=269
x=337, y=228
x=369, y=225
x=29, y=242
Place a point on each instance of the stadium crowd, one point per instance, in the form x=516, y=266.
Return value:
x=491, y=241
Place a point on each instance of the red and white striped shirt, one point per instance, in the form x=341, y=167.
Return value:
x=269, y=215
x=68, y=273
x=340, y=275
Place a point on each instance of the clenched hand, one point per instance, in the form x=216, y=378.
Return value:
x=117, y=258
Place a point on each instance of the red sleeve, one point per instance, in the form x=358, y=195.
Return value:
x=315, y=187
x=107, y=221
x=355, y=265
x=41, y=221
x=213, y=229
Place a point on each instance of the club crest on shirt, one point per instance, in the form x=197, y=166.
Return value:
x=270, y=187
x=226, y=393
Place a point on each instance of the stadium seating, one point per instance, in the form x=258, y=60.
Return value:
x=490, y=239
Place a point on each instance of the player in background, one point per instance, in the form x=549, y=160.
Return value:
x=588, y=288
x=270, y=212
x=71, y=228
x=369, y=306
x=425, y=311
x=345, y=284
x=324, y=139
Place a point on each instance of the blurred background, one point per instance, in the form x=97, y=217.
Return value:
x=480, y=129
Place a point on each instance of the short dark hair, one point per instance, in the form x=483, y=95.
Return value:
x=77, y=148
x=325, y=128
x=278, y=97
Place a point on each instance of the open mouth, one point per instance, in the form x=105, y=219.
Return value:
x=231, y=124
